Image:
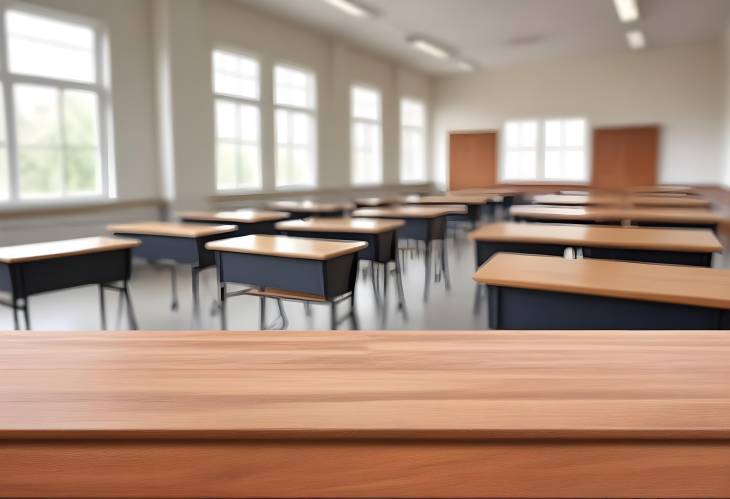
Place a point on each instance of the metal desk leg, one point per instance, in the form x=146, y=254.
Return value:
x=445, y=264
x=196, y=295
x=130, y=309
x=16, y=323
x=262, y=313
x=26, y=313
x=427, y=271
x=477, y=298
x=333, y=316
x=353, y=312
x=102, y=306
x=222, y=294
x=399, y=287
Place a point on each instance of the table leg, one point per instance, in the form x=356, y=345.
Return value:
x=130, y=308
x=196, y=295
x=427, y=271
x=102, y=306
x=445, y=264
x=333, y=316
x=399, y=286
x=26, y=313
x=353, y=312
x=16, y=324
x=262, y=313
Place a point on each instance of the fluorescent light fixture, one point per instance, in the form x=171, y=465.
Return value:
x=351, y=8
x=628, y=10
x=636, y=39
x=463, y=65
x=429, y=48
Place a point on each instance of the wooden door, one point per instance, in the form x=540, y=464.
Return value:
x=472, y=159
x=625, y=157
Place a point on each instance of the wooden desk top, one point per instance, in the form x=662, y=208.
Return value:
x=411, y=211
x=470, y=199
x=238, y=216
x=689, y=240
x=378, y=201
x=609, y=214
x=171, y=229
x=58, y=249
x=388, y=384
x=287, y=247
x=621, y=201
x=309, y=206
x=506, y=191
x=685, y=285
x=661, y=189
x=345, y=224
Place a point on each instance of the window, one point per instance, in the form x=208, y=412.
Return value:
x=295, y=116
x=412, y=141
x=553, y=149
x=237, y=121
x=59, y=106
x=366, y=136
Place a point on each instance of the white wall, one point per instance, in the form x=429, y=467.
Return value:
x=726, y=107
x=679, y=89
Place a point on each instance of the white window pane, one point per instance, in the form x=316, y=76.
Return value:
x=528, y=134
x=4, y=174
x=41, y=46
x=512, y=134
x=82, y=171
x=575, y=165
x=295, y=152
x=293, y=87
x=41, y=172
x=301, y=129
x=225, y=159
x=249, y=123
x=575, y=133
x=225, y=119
x=553, y=164
x=80, y=118
x=553, y=133
x=37, y=115
x=235, y=74
x=365, y=103
x=249, y=167
x=367, y=167
x=413, y=113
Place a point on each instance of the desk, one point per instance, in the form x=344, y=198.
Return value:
x=622, y=201
x=181, y=243
x=664, y=189
x=602, y=294
x=381, y=236
x=652, y=245
x=389, y=414
x=288, y=268
x=423, y=223
x=306, y=209
x=247, y=221
x=473, y=203
x=650, y=217
x=375, y=202
x=30, y=269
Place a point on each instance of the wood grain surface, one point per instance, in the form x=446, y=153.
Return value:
x=237, y=216
x=171, y=229
x=67, y=247
x=344, y=224
x=411, y=211
x=288, y=247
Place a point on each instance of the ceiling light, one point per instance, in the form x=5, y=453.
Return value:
x=465, y=65
x=351, y=8
x=636, y=39
x=628, y=10
x=429, y=48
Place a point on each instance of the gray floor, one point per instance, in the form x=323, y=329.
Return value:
x=77, y=309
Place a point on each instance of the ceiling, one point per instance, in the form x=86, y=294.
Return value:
x=503, y=32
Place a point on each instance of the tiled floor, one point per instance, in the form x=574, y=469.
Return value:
x=77, y=309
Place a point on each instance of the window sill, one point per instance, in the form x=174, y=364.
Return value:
x=10, y=211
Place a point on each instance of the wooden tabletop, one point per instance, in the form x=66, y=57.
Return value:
x=378, y=201
x=245, y=216
x=661, y=189
x=679, y=284
x=344, y=224
x=412, y=211
x=609, y=214
x=287, y=247
x=522, y=384
x=619, y=200
x=505, y=191
x=689, y=240
x=171, y=229
x=309, y=206
x=58, y=249
x=470, y=199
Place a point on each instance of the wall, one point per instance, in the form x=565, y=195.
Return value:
x=679, y=89
x=726, y=107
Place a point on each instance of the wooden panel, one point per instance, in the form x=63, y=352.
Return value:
x=678, y=284
x=171, y=229
x=625, y=157
x=690, y=240
x=287, y=247
x=374, y=414
x=599, y=213
x=410, y=211
x=472, y=159
x=334, y=224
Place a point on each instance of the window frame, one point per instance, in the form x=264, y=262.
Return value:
x=541, y=149
x=424, y=133
x=313, y=114
x=101, y=88
x=378, y=122
x=237, y=100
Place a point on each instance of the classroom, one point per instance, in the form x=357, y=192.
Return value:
x=365, y=248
